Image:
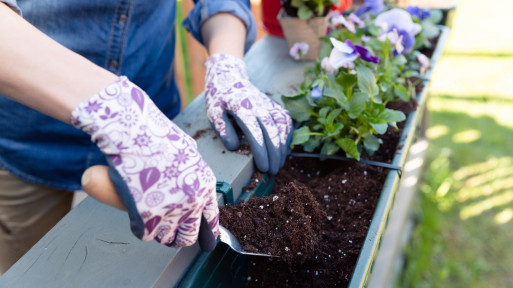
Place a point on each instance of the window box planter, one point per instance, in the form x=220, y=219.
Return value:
x=224, y=268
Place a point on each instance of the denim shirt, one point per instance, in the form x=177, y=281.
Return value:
x=135, y=38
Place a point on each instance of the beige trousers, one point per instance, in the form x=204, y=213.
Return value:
x=27, y=212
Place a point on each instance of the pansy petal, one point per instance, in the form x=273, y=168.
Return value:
x=365, y=54
x=338, y=59
x=341, y=46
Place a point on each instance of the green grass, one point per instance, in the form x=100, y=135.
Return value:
x=464, y=211
x=464, y=208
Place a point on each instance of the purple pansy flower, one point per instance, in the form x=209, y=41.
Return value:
x=356, y=20
x=345, y=53
x=341, y=55
x=363, y=52
x=298, y=50
x=341, y=20
x=418, y=12
x=370, y=6
x=400, y=20
x=395, y=39
x=316, y=92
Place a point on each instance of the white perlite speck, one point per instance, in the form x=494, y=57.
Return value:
x=275, y=198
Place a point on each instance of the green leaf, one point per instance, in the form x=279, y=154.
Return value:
x=357, y=104
x=324, y=112
x=410, y=73
x=300, y=135
x=400, y=60
x=320, y=8
x=377, y=99
x=312, y=144
x=401, y=92
x=347, y=80
x=429, y=30
x=298, y=107
x=318, y=127
x=319, y=83
x=380, y=128
x=349, y=146
x=436, y=16
x=390, y=115
x=304, y=12
x=371, y=143
x=336, y=94
x=329, y=148
x=366, y=80
x=331, y=118
x=296, y=3
x=337, y=128
x=331, y=79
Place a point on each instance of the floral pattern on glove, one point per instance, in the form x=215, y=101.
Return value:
x=230, y=92
x=170, y=183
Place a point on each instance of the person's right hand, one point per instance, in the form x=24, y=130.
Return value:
x=168, y=184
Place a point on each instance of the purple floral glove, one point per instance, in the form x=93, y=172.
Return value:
x=169, y=185
x=266, y=125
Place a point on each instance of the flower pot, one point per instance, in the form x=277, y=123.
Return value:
x=308, y=31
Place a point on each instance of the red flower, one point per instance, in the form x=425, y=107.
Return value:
x=343, y=5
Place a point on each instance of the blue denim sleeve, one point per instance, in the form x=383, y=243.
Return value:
x=13, y=5
x=203, y=9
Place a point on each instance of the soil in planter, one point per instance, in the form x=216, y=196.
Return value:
x=347, y=192
x=286, y=224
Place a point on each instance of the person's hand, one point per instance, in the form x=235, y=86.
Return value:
x=161, y=178
x=266, y=125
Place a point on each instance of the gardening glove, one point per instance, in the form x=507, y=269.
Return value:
x=159, y=174
x=266, y=125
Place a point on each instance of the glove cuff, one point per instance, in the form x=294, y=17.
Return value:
x=218, y=64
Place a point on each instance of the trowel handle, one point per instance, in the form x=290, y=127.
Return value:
x=206, y=239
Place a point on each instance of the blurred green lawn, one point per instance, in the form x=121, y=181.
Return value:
x=464, y=234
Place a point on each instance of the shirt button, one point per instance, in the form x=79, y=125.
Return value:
x=122, y=19
x=113, y=64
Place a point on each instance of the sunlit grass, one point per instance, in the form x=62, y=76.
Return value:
x=465, y=205
x=504, y=216
x=437, y=131
x=465, y=221
x=489, y=203
x=466, y=136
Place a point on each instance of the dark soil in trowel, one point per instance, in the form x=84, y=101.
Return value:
x=285, y=224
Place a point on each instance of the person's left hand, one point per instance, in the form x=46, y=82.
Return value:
x=266, y=125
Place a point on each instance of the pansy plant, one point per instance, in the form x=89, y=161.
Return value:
x=366, y=63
